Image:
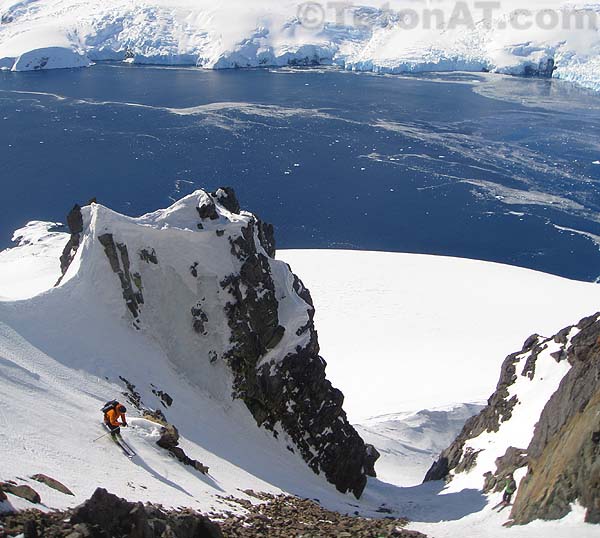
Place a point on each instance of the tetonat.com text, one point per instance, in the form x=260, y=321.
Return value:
x=444, y=15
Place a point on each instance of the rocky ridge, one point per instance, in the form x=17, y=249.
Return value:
x=563, y=454
x=277, y=370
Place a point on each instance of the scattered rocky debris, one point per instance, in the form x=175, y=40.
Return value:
x=22, y=491
x=149, y=256
x=169, y=440
x=291, y=517
x=132, y=395
x=166, y=400
x=106, y=516
x=52, y=483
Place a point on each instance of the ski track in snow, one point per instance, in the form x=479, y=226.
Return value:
x=418, y=321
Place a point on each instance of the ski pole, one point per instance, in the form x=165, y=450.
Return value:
x=98, y=438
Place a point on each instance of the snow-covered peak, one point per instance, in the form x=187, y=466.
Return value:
x=194, y=288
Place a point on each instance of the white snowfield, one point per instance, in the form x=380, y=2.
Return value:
x=63, y=349
x=394, y=36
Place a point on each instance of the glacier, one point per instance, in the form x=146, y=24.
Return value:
x=373, y=36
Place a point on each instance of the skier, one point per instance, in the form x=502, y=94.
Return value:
x=509, y=489
x=111, y=419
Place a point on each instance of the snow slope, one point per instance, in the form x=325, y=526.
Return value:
x=67, y=350
x=63, y=349
x=433, y=330
x=410, y=442
x=367, y=36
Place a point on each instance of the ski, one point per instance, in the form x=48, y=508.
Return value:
x=119, y=441
x=127, y=447
x=505, y=505
x=125, y=451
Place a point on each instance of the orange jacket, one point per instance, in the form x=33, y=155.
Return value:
x=112, y=417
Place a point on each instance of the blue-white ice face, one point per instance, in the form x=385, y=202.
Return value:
x=478, y=166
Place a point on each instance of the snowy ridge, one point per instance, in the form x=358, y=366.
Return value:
x=373, y=37
x=410, y=441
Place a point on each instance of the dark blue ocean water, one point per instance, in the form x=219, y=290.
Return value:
x=476, y=166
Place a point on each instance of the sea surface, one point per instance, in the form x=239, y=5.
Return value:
x=470, y=165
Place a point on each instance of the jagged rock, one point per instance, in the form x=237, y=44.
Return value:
x=155, y=416
x=513, y=459
x=24, y=492
x=199, y=319
x=371, y=456
x=165, y=399
x=564, y=453
x=118, y=258
x=169, y=437
x=52, y=483
x=294, y=392
x=499, y=409
x=75, y=224
x=132, y=395
x=266, y=236
x=106, y=515
x=149, y=256
x=207, y=208
x=226, y=197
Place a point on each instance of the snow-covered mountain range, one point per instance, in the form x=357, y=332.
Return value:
x=545, y=38
x=186, y=314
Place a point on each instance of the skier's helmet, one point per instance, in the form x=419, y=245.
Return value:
x=122, y=409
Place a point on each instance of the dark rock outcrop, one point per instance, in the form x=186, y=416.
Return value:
x=24, y=492
x=371, y=456
x=149, y=256
x=292, y=393
x=169, y=440
x=208, y=209
x=513, y=459
x=75, y=224
x=3, y=496
x=564, y=453
x=52, y=483
x=226, y=197
x=131, y=284
x=105, y=515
